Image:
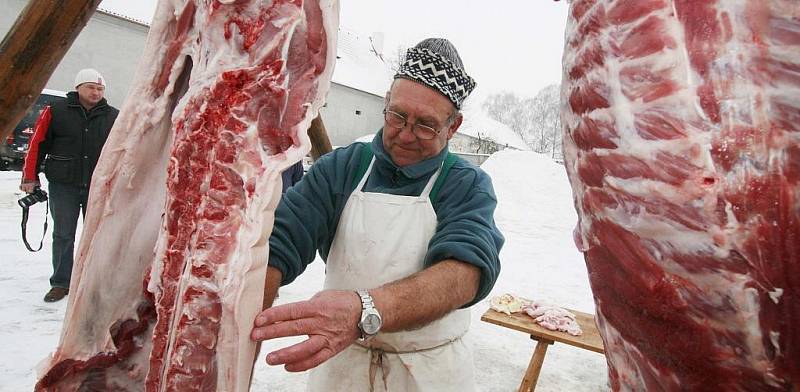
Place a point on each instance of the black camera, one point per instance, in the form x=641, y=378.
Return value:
x=37, y=196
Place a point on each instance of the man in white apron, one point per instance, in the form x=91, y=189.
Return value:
x=408, y=235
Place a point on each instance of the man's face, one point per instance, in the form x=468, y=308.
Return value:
x=90, y=93
x=419, y=104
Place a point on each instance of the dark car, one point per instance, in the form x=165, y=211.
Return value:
x=13, y=149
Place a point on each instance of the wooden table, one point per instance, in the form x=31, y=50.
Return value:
x=589, y=340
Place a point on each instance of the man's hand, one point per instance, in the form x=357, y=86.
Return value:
x=329, y=319
x=28, y=186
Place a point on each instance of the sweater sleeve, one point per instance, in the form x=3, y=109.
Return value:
x=308, y=213
x=466, y=230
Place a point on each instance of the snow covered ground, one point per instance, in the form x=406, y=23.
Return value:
x=539, y=261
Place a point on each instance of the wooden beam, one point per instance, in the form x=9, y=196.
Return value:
x=32, y=49
x=320, y=143
x=535, y=366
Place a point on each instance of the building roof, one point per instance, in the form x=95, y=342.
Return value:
x=360, y=65
x=123, y=17
x=478, y=124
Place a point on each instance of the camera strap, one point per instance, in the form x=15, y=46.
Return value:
x=25, y=224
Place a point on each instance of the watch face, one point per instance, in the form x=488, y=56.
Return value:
x=371, y=324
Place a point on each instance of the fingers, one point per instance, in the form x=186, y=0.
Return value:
x=292, y=311
x=283, y=329
x=27, y=186
x=296, y=352
x=302, y=356
x=315, y=360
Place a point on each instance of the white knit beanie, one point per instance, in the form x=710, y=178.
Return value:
x=89, y=75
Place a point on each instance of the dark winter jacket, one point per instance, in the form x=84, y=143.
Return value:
x=68, y=139
x=292, y=176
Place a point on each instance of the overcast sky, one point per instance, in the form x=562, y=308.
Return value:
x=506, y=45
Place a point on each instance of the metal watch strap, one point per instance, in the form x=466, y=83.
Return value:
x=366, y=299
x=368, y=310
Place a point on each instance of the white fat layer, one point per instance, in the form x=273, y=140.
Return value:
x=655, y=227
x=774, y=338
x=775, y=294
x=749, y=323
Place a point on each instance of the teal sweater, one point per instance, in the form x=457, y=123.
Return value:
x=308, y=214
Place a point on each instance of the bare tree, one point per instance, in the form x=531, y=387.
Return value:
x=536, y=120
x=511, y=110
x=398, y=58
x=546, y=116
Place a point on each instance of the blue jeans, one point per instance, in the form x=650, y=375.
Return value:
x=66, y=202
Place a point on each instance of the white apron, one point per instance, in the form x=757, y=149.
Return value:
x=382, y=238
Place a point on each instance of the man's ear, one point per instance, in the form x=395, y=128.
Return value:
x=454, y=126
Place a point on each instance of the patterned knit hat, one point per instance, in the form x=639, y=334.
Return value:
x=435, y=63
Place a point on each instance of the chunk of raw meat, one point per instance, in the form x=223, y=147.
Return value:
x=553, y=318
x=682, y=143
x=508, y=303
x=170, y=268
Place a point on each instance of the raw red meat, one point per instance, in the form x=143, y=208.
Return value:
x=682, y=144
x=171, y=264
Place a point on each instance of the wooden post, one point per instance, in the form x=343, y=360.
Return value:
x=320, y=143
x=535, y=366
x=32, y=49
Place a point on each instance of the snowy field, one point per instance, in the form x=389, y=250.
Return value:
x=539, y=261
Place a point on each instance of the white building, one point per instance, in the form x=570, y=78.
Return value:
x=354, y=106
x=481, y=134
x=109, y=43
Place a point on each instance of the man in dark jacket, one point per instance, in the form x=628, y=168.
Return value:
x=67, y=139
x=292, y=175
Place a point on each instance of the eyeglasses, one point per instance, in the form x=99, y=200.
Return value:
x=399, y=121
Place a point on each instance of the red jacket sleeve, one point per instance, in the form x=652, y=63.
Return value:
x=30, y=170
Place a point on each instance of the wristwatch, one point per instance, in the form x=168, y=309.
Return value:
x=371, y=321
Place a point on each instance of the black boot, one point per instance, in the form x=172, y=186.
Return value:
x=56, y=294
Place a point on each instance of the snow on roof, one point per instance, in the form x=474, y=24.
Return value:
x=359, y=66
x=123, y=17
x=477, y=121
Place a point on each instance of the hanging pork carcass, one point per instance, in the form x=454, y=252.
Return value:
x=682, y=143
x=170, y=269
